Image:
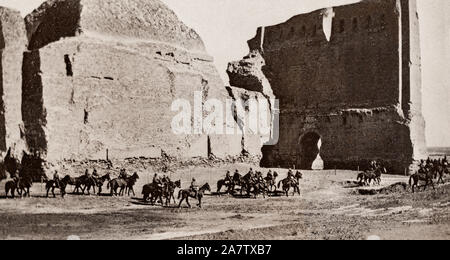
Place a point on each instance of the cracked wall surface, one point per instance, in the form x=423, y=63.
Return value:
x=95, y=84
x=357, y=86
x=12, y=45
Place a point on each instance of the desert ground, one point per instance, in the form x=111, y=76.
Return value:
x=330, y=207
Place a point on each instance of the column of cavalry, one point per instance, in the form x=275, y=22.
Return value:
x=427, y=172
x=161, y=190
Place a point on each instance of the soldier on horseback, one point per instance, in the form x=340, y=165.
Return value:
x=56, y=179
x=87, y=174
x=251, y=173
x=123, y=174
x=228, y=179
x=291, y=175
x=16, y=178
x=194, y=187
x=157, y=180
x=95, y=174
x=270, y=175
x=236, y=175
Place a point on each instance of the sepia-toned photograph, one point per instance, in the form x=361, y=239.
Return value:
x=225, y=120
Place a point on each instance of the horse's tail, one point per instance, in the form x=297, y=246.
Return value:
x=179, y=194
x=109, y=185
x=410, y=180
x=279, y=184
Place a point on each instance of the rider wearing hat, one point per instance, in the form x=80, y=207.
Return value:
x=194, y=187
x=56, y=179
x=228, y=178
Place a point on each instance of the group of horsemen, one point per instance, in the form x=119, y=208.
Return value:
x=429, y=165
x=425, y=166
x=230, y=181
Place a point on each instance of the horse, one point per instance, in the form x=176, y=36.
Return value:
x=259, y=187
x=51, y=185
x=11, y=187
x=439, y=173
x=169, y=191
x=123, y=184
x=188, y=193
x=288, y=184
x=237, y=181
x=152, y=192
x=222, y=183
x=361, y=178
x=101, y=181
x=21, y=185
x=24, y=186
x=272, y=182
x=367, y=177
x=247, y=182
x=131, y=181
x=77, y=182
x=427, y=177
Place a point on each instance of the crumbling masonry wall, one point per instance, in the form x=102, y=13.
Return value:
x=12, y=45
x=100, y=78
x=359, y=89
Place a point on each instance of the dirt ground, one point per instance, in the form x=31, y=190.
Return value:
x=330, y=207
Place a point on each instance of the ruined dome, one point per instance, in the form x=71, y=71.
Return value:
x=139, y=20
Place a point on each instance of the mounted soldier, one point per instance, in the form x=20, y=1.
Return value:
x=251, y=173
x=269, y=175
x=194, y=187
x=56, y=179
x=95, y=174
x=123, y=174
x=87, y=174
x=228, y=178
x=157, y=180
x=290, y=174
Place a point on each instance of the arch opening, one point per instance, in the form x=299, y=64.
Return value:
x=309, y=152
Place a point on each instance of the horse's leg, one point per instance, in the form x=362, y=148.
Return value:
x=187, y=201
x=200, y=202
x=181, y=201
x=53, y=192
x=161, y=199
x=173, y=197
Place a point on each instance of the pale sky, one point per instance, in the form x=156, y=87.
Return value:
x=226, y=25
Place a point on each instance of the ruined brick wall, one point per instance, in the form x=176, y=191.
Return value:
x=354, y=89
x=102, y=75
x=12, y=45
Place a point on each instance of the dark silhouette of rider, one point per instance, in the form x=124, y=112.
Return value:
x=157, y=180
x=228, y=178
x=270, y=175
x=56, y=179
x=194, y=187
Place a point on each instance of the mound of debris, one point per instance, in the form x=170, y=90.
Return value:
x=398, y=187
